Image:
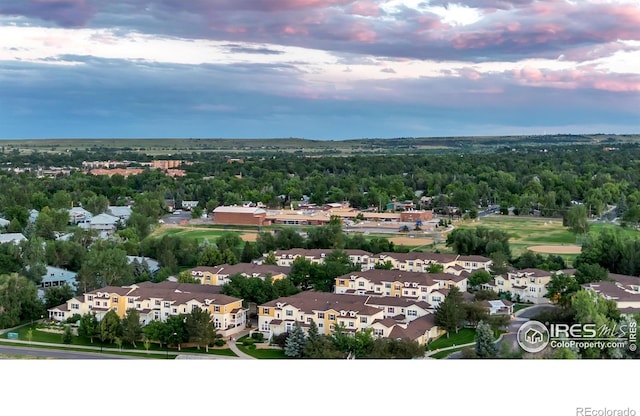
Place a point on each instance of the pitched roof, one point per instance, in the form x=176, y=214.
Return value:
x=425, y=257
x=397, y=301
x=380, y=275
x=310, y=301
x=244, y=268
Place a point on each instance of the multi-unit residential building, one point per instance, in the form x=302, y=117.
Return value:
x=285, y=258
x=352, y=312
x=158, y=301
x=397, y=283
x=420, y=262
x=623, y=289
x=526, y=285
x=219, y=275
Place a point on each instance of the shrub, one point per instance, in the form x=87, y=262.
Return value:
x=258, y=336
x=247, y=342
x=67, y=336
x=73, y=319
x=219, y=342
x=280, y=339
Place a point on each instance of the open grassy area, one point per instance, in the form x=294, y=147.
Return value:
x=264, y=354
x=464, y=336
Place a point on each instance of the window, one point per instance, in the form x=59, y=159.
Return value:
x=320, y=325
x=532, y=289
x=332, y=327
x=138, y=306
x=378, y=332
x=308, y=319
x=265, y=311
x=436, y=298
x=413, y=293
x=193, y=307
x=174, y=310
x=90, y=297
x=166, y=314
x=115, y=300
x=361, y=284
x=167, y=305
x=387, y=285
x=341, y=323
x=412, y=312
x=289, y=312
x=130, y=300
x=75, y=306
x=320, y=315
x=216, y=308
x=157, y=303
x=363, y=319
x=332, y=317
x=351, y=324
x=391, y=309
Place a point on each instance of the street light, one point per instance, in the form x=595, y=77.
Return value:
x=171, y=338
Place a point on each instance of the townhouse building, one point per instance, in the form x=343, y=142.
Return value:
x=421, y=262
x=158, y=301
x=623, y=289
x=526, y=285
x=397, y=283
x=219, y=275
x=285, y=258
x=352, y=312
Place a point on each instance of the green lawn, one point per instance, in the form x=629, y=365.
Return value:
x=444, y=354
x=464, y=336
x=519, y=306
x=260, y=353
x=48, y=337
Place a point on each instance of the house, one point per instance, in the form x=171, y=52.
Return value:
x=79, y=215
x=55, y=276
x=33, y=215
x=234, y=215
x=412, y=261
x=219, y=275
x=123, y=213
x=102, y=223
x=152, y=264
x=189, y=205
x=4, y=223
x=327, y=310
x=14, y=238
x=498, y=307
x=158, y=301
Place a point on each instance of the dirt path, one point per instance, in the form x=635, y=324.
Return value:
x=550, y=249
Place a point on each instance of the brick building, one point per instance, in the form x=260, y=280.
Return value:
x=234, y=215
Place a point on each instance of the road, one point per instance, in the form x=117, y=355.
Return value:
x=57, y=354
x=177, y=218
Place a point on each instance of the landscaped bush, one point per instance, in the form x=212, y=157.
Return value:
x=73, y=319
x=258, y=336
x=219, y=342
x=280, y=340
x=247, y=342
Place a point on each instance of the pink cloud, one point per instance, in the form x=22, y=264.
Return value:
x=584, y=78
x=368, y=9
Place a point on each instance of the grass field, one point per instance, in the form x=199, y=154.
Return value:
x=464, y=336
x=200, y=234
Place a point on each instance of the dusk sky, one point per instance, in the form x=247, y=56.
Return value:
x=317, y=69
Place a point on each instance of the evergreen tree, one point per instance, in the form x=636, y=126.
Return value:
x=485, y=347
x=296, y=341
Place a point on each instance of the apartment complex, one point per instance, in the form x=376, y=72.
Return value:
x=158, y=301
x=421, y=262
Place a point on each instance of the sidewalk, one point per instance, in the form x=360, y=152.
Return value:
x=232, y=345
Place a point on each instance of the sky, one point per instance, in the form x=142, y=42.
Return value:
x=318, y=69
